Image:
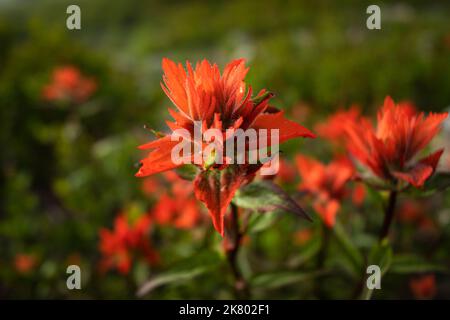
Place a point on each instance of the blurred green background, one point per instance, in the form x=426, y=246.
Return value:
x=66, y=171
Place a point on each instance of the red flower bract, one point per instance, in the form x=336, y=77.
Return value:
x=423, y=287
x=334, y=128
x=176, y=206
x=218, y=101
x=118, y=245
x=390, y=148
x=326, y=183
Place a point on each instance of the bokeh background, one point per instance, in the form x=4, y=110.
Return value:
x=67, y=167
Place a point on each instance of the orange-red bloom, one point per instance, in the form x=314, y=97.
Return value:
x=177, y=206
x=127, y=238
x=69, y=84
x=218, y=101
x=389, y=150
x=326, y=183
x=24, y=263
x=423, y=287
x=334, y=128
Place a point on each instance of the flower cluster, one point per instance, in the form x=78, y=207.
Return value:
x=128, y=238
x=327, y=184
x=176, y=205
x=389, y=150
x=69, y=84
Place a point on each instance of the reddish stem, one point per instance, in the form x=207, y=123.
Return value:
x=388, y=215
x=235, y=236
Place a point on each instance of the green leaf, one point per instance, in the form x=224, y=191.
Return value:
x=352, y=253
x=380, y=255
x=170, y=277
x=260, y=222
x=266, y=95
x=184, y=270
x=187, y=172
x=265, y=196
x=406, y=264
x=280, y=279
x=308, y=251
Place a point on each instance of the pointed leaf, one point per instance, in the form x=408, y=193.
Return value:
x=265, y=196
x=351, y=251
x=187, y=172
x=184, y=270
x=280, y=279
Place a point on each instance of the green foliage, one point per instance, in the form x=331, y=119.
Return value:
x=265, y=196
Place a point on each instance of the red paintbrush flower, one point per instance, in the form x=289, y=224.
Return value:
x=326, y=183
x=69, y=84
x=216, y=101
x=423, y=287
x=127, y=238
x=177, y=206
x=389, y=150
x=334, y=127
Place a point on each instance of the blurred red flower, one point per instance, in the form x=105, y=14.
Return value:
x=69, y=84
x=390, y=149
x=218, y=101
x=286, y=171
x=414, y=212
x=410, y=211
x=301, y=237
x=118, y=246
x=334, y=127
x=24, y=263
x=326, y=183
x=177, y=206
x=423, y=287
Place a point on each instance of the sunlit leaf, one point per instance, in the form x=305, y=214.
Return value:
x=261, y=222
x=182, y=272
x=280, y=279
x=352, y=253
x=265, y=196
x=170, y=277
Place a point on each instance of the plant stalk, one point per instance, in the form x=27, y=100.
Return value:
x=388, y=215
x=241, y=288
